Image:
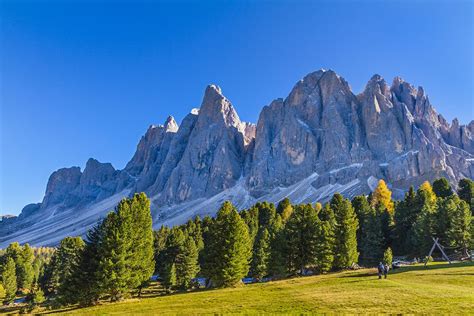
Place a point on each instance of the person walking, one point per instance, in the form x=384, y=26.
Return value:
x=386, y=267
x=380, y=269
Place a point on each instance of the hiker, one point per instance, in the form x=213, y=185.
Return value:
x=385, y=270
x=380, y=269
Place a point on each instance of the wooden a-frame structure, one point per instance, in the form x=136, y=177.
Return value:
x=436, y=243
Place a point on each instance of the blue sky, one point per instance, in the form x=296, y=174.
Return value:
x=85, y=79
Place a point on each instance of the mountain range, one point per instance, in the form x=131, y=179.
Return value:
x=321, y=139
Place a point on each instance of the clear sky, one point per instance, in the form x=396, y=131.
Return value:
x=85, y=79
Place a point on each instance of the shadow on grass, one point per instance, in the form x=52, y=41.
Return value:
x=144, y=298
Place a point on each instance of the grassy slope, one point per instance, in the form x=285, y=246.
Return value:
x=438, y=289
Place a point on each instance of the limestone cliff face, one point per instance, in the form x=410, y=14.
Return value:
x=320, y=139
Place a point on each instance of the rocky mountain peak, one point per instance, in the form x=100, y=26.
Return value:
x=170, y=125
x=216, y=109
x=377, y=85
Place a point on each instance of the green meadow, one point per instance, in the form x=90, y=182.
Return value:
x=439, y=288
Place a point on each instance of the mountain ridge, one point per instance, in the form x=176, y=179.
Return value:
x=321, y=139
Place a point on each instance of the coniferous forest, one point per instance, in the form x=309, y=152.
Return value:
x=119, y=256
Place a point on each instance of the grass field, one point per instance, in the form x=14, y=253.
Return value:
x=438, y=289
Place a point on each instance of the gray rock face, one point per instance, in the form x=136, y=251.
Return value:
x=320, y=140
x=213, y=157
x=151, y=153
x=69, y=187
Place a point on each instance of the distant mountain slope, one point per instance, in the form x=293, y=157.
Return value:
x=320, y=140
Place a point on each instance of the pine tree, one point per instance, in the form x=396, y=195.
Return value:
x=383, y=196
x=459, y=227
x=326, y=239
x=424, y=229
x=87, y=281
x=345, y=248
x=466, y=192
x=387, y=256
x=443, y=210
x=228, y=248
x=186, y=263
x=141, y=256
x=66, y=265
x=25, y=269
x=250, y=218
x=266, y=214
x=278, y=250
x=261, y=254
x=372, y=240
x=169, y=276
x=386, y=219
x=194, y=230
x=15, y=251
x=113, y=271
x=126, y=248
x=363, y=211
x=160, y=237
x=9, y=281
x=441, y=188
x=302, y=235
x=406, y=213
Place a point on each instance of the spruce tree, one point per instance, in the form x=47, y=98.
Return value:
x=9, y=280
x=345, y=232
x=228, y=248
x=326, y=239
x=441, y=188
x=466, y=192
x=261, y=254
